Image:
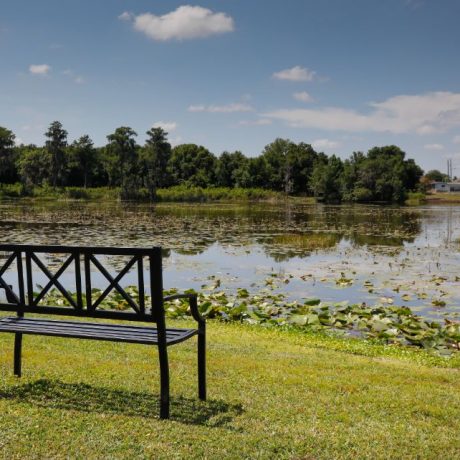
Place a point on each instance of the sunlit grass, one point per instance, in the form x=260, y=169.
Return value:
x=272, y=394
x=452, y=197
x=415, y=199
x=179, y=193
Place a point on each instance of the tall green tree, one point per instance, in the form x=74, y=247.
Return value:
x=229, y=169
x=155, y=157
x=278, y=169
x=192, y=164
x=326, y=180
x=34, y=164
x=289, y=166
x=252, y=173
x=8, y=173
x=56, y=148
x=83, y=160
x=351, y=175
x=122, y=150
x=385, y=176
x=300, y=161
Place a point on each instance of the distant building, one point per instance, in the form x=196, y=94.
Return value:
x=445, y=187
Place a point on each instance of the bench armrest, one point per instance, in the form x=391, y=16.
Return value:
x=193, y=302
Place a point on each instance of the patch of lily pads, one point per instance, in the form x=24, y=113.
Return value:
x=387, y=323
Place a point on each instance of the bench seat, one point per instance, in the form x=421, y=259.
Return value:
x=96, y=331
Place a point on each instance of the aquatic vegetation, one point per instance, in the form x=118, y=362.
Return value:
x=387, y=323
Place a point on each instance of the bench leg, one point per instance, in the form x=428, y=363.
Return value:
x=164, y=381
x=17, y=353
x=202, y=363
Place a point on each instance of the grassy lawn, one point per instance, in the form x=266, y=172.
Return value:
x=451, y=197
x=272, y=394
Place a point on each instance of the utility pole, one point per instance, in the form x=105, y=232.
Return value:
x=449, y=169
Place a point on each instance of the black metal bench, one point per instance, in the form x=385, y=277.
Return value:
x=24, y=300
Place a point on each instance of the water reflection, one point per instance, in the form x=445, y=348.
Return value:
x=193, y=229
x=402, y=255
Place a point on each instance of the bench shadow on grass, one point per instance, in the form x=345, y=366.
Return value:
x=87, y=398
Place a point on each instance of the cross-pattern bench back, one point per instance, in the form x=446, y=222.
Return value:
x=84, y=260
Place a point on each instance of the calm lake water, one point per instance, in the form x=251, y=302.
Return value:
x=372, y=254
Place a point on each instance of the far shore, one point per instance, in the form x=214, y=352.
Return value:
x=185, y=194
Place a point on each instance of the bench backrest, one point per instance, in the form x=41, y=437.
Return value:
x=23, y=299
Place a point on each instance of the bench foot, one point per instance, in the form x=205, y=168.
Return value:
x=17, y=353
x=164, y=381
x=202, y=363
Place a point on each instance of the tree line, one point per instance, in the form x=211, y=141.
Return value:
x=383, y=174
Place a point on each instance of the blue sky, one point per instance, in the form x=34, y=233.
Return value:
x=342, y=75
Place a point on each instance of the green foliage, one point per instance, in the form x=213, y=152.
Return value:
x=8, y=171
x=122, y=151
x=83, y=161
x=11, y=190
x=155, y=157
x=415, y=198
x=362, y=195
x=326, y=180
x=289, y=166
x=55, y=146
x=231, y=169
x=383, y=175
x=437, y=176
x=192, y=165
x=197, y=194
x=34, y=166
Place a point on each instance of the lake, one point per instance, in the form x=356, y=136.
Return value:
x=372, y=254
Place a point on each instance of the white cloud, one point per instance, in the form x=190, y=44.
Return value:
x=296, y=73
x=167, y=126
x=186, y=22
x=423, y=114
x=456, y=140
x=433, y=147
x=126, y=16
x=303, y=96
x=229, y=108
x=39, y=69
x=259, y=122
x=325, y=144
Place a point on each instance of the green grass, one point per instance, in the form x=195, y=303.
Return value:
x=416, y=199
x=451, y=197
x=272, y=394
x=182, y=193
x=178, y=193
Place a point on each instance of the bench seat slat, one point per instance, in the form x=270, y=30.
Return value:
x=95, y=331
x=85, y=323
